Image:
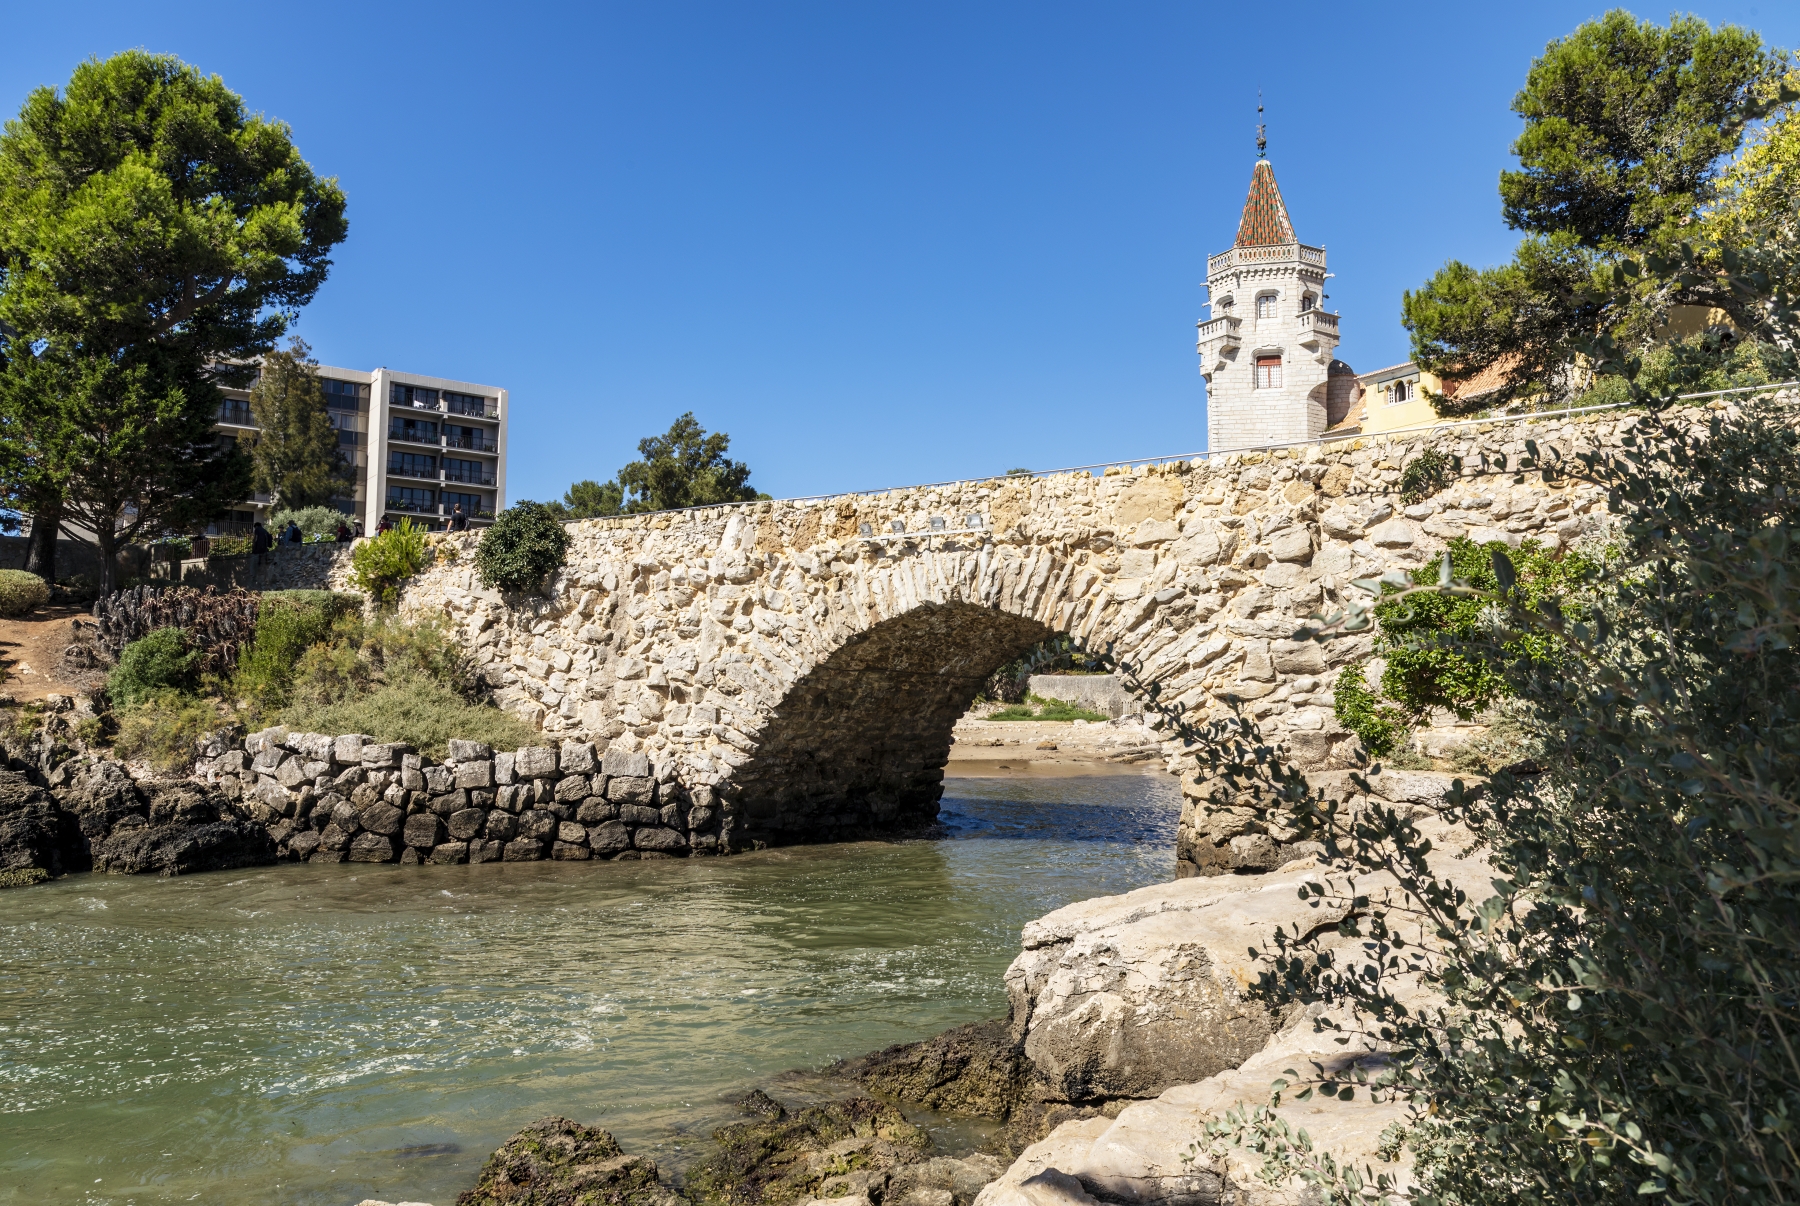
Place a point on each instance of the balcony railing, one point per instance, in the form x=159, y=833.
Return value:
x=468, y=478
x=476, y=409
x=412, y=436
x=233, y=411
x=1273, y=253
x=412, y=508
x=474, y=443
x=412, y=471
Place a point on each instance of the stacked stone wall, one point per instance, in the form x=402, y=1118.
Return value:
x=348, y=798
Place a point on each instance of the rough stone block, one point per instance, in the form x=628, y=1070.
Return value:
x=503, y=768
x=534, y=762
x=347, y=779
x=1291, y=544
x=412, y=778
x=424, y=830
x=372, y=848
x=578, y=758
x=270, y=759
x=450, y=803
x=593, y=810
x=382, y=818
x=573, y=788
x=569, y=831
x=675, y=815
x=609, y=838
x=383, y=757
x=470, y=751
x=1297, y=657
x=439, y=779
x=450, y=852
x=536, y=823
x=626, y=765
x=348, y=748
x=571, y=852
x=523, y=850
x=630, y=789
x=655, y=837
x=485, y=852
x=314, y=747
x=501, y=826
x=640, y=814
x=475, y=774
x=465, y=823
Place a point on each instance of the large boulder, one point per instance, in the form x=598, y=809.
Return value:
x=185, y=827
x=560, y=1162
x=844, y=1150
x=36, y=834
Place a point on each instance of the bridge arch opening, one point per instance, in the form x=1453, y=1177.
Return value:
x=858, y=744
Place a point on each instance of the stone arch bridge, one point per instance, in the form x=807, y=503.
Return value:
x=795, y=668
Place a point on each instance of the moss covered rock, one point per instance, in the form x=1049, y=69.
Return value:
x=839, y=1149
x=559, y=1162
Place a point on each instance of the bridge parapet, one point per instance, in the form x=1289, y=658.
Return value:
x=775, y=659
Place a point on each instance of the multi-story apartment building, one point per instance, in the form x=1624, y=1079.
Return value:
x=421, y=446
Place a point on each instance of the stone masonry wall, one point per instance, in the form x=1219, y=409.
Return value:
x=804, y=661
x=344, y=798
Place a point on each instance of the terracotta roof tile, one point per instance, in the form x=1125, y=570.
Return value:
x=1265, y=220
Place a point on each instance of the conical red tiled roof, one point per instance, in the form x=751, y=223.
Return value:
x=1265, y=217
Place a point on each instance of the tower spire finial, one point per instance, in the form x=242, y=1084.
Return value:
x=1262, y=138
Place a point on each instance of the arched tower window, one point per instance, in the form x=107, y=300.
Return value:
x=1265, y=305
x=1306, y=302
x=1268, y=369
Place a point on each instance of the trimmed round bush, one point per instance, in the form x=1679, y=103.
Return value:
x=21, y=593
x=162, y=661
x=524, y=547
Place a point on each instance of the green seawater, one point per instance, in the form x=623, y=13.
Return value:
x=318, y=1035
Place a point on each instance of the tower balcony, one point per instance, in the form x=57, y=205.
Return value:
x=1218, y=337
x=1265, y=256
x=1318, y=333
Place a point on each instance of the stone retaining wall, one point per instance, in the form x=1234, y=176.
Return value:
x=1102, y=693
x=349, y=798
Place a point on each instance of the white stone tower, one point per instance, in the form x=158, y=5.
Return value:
x=1266, y=350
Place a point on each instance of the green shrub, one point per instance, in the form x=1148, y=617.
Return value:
x=1036, y=707
x=163, y=728
x=387, y=559
x=524, y=547
x=1424, y=476
x=288, y=624
x=316, y=523
x=21, y=593
x=415, y=708
x=1436, y=645
x=1379, y=725
x=161, y=661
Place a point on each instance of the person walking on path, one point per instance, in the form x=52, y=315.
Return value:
x=458, y=521
x=260, y=544
x=344, y=535
x=292, y=534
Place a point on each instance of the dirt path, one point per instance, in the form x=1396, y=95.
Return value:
x=31, y=654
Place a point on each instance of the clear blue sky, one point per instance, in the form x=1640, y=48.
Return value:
x=877, y=243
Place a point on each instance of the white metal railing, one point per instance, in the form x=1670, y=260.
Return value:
x=1529, y=417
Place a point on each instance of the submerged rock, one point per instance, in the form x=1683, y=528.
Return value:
x=841, y=1150
x=560, y=1162
x=977, y=1069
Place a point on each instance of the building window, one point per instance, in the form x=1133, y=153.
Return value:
x=413, y=396
x=469, y=473
x=470, y=404
x=1398, y=392
x=404, y=498
x=343, y=395
x=1265, y=305
x=470, y=503
x=1306, y=302
x=408, y=464
x=1224, y=304
x=1268, y=369
x=413, y=431
x=473, y=438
